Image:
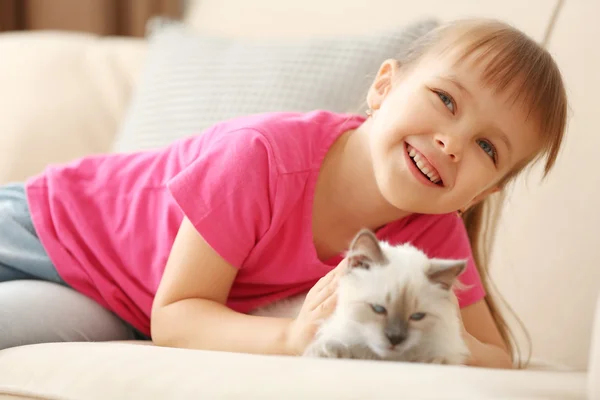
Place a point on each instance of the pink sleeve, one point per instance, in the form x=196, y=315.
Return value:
x=445, y=236
x=226, y=192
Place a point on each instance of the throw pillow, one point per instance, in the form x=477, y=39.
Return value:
x=191, y=81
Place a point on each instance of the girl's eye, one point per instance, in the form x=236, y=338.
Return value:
x=377, y=309
x=488, y=148
x=417, y=316
x=448, y=101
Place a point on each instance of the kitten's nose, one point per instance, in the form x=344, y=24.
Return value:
x=396, y=338
x=396, y=331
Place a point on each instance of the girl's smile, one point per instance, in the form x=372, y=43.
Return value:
x=423, y=168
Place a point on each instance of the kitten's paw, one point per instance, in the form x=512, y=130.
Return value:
x=324, y=350
x=450, y=359
x=439, y=360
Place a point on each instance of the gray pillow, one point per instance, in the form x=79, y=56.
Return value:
x=191, y=81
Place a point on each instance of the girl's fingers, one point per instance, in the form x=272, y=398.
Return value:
x=331, y=275
x=325, y=287
x=341, y=266
x=325, y=292
x=324, y=281
x=326, y=307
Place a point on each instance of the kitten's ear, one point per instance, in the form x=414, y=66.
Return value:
x=365, y=250
x=445, y=272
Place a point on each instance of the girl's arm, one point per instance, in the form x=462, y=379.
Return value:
x=189, y=308
x=483, y=338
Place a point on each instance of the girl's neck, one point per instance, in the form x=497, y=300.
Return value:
x=347, y=197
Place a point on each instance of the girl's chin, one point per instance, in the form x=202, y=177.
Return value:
x=413, y=200
x=405, y=207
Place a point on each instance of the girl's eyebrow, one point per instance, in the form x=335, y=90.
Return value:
x=503, y=136
x=454, y=80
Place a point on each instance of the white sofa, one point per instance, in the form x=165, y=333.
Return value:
x=64, y=95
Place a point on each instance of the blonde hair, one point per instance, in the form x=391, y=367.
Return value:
x=512, y=61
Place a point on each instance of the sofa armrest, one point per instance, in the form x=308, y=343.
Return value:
x=594, y=363
x=63, y=96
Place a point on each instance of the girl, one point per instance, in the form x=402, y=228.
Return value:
x=180, y=243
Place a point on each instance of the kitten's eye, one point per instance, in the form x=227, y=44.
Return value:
x=377, y=309
x=417, y=316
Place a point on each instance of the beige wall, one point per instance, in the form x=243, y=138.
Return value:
x=547, y=254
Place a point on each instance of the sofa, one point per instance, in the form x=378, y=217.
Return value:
x=64, y=95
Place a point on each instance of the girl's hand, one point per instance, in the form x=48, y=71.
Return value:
x=483, y=354
x=486, y=355
x=318, y=305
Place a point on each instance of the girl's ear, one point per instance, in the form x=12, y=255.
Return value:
x=382, y=84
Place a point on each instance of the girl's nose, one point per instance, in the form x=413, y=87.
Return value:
x=449, y=146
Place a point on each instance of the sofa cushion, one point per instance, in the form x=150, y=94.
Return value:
x=123, y=371
x=63, y=96
x=191, y=81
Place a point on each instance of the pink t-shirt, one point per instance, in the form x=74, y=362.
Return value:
x=108, y=221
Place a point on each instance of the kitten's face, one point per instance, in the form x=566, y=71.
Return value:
x=396, y=295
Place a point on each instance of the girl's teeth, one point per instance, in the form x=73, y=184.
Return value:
x=433, y=176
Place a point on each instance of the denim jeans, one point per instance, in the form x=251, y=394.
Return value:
x=36, y=305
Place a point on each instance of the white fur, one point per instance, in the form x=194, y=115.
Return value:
x=355, y=331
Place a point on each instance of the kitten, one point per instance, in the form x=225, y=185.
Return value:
x=393, y=304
